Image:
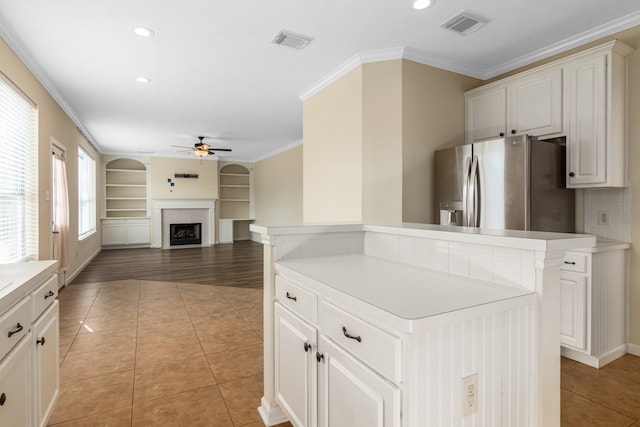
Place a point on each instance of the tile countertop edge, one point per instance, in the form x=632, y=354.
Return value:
x=25, y=276
x=605, y=246
x=517, y=239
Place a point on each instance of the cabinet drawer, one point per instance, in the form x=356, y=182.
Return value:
x=575, y=261
x=299, y=300
x=376, y=348
x=14, y=324
x=44, y=296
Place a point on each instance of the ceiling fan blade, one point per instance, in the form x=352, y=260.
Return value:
x=219, y=149
x=182, y=146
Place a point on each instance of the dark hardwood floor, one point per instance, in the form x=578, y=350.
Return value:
x=238, y=264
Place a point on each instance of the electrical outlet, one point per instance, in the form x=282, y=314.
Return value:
x=469, y=394
x=603, y=217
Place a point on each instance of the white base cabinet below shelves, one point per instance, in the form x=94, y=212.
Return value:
x=126, y=232
x=593, y=302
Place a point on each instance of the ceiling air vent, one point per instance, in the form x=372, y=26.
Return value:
x=289, y=39
x=464, y=23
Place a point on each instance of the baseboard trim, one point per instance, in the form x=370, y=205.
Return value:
x=271, y=415
x=594, y=361
x=69, y=278
x=633, y=349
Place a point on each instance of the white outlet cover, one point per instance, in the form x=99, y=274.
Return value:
x=469, y=395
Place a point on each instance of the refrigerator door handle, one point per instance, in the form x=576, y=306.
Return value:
x=474, y=190
x=466, y=192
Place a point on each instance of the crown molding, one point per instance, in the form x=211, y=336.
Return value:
x=447, y=64
x=594, y=34
x=390, y=54
x=32, y=65
x=278, y=151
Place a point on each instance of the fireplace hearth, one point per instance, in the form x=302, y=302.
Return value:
x=185, y=234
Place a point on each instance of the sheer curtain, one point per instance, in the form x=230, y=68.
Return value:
x=60, y=214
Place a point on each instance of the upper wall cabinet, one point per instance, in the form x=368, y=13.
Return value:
x=582, y=97
x=596, y=92
x=529, y=104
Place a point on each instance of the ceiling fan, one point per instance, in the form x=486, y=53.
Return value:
x=202, y=149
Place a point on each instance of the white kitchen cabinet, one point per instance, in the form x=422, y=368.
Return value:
x=16, y=385
x=348, y=393
x=47, y=359
x=339, y=361
x=527, y=104
x=29, y=366
x=351, y=394
x=295, y=366
x=593, y=304
x=596, y=92
x=573, y=300
x=126, y=232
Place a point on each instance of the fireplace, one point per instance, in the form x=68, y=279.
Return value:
x=185, y=234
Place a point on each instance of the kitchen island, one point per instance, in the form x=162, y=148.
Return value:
x=412, y=326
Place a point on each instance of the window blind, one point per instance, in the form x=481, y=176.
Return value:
x=18, y=175
x=86, y=194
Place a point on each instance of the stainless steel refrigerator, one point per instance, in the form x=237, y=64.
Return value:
x=515, y=183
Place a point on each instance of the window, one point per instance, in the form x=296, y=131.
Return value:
x=86, y=194
x=18, y=175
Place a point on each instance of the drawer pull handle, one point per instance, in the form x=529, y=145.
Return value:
x=18, y=329
x=307, y=347
x=319, y=357
x=40, y=341
x=3, y=398
x=570, y=262
x=290, y=297
x=49, y=294
x=353, y=337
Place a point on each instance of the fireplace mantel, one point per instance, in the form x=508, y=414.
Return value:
x=162, y=204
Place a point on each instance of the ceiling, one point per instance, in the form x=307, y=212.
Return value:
x=214, y=71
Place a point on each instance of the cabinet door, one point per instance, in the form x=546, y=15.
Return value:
x=295, y=370
x=46, y=338
x=535, y=104
x=15, y=385
x=114, y=232
x=138, y=231
x=486, y=114
x=573, y=310
x=352, y=395
x=586, y=139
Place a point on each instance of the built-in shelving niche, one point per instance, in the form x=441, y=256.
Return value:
x=125, y=189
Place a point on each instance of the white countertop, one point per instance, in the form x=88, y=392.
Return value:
x=404, y=291
x=18, y=279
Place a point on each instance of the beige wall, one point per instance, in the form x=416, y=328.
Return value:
x=332, y=159
x=163, y=168
x=433, y=117
x=53, y=123
x=382, y=142
x=278, y=188
x=406, y=110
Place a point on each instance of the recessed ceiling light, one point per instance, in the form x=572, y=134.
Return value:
x=143, y=31
x=423, y=4
x=142, y=79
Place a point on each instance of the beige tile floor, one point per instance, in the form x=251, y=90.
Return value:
x=148, y=353
x=143, y=353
